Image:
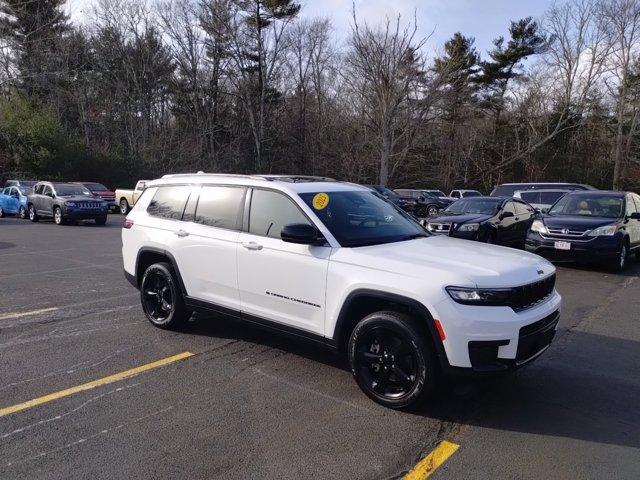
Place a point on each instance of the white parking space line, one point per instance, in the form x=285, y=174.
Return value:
x=14, y=315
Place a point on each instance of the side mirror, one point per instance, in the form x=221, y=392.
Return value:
x=634, y=216
x=507, y=215
x=544, y=210
x=301, y=233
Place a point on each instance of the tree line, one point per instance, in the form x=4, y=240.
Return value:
x=141, y=89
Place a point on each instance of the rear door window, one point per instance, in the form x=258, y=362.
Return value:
x=220, y=207
x=169, y=202
x=271, y=211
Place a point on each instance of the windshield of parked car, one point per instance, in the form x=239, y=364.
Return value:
x=437, y=193
x=471, y=193
x=96, y=187
x=66, y=190
x=589, y=205
x=485, y=205
x=359, y=218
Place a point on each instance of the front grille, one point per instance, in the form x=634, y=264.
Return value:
x=566, y=232
x=88, y=205
x=527, y=296
x=439, y=228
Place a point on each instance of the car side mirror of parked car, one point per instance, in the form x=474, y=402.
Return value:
x=506, y=215
x=634, y=216
x=301, y=233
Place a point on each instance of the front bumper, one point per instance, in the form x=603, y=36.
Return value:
x=84, y=214
x=481, y=339
x=597, y=249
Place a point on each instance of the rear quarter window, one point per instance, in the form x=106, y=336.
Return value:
x=169, y=202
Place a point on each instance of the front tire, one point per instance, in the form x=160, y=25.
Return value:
x=392, y=360
x=621, y=258
x=23, y=213
x=124, y=206
x=33, y=216
x=57, y=216
x=101, y=220
x=161, y=297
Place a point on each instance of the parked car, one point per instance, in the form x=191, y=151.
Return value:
x=128, y=198
x=425, y=203
x=393, y=197
x=337, y=265
x=540, y=199
x=509, y=189
x=99, y=190
x=455, y=194
x=20, y=183
x=65, y=202
x=500, y=220
x=593, y=226
x=13, y=201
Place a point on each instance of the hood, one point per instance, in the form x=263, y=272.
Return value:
x=577, y=222
x=80, y=198
x=461, y=262
x=458, y=219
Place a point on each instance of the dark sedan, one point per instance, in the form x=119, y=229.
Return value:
x=425, y=203
x=503, y=221
x=590, y=226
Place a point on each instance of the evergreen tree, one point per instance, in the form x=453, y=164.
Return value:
x=35, y=30
x=505, y=63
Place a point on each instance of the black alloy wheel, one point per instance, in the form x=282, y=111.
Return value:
x=390, y=359
x=33, y=216
x=161, y=298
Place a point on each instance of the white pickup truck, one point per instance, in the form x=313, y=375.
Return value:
x=128, y=198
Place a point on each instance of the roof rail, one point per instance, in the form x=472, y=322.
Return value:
x=297, y=178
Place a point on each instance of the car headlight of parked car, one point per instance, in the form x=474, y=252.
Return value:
x=469, y=227
x=539, y=227
x=605, y=231
x=69, y=204
x=480, y=296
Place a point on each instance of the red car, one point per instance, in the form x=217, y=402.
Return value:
x=103, y=192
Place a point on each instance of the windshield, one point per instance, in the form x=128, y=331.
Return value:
x=438, y=193
x=65, y=190
x=359, y=218
x=486, y=206
x=607, y=206
x=96, y=187
x=471, y=193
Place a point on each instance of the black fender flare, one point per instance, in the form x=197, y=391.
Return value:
x=168, y=256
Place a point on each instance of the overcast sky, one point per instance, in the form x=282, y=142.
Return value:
x=482, y=19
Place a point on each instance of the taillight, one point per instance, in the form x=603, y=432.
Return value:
x=127, y=223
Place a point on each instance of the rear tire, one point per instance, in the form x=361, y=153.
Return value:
x=392, y=360
x=33, y=216
x=161, y=297
x=124, y=206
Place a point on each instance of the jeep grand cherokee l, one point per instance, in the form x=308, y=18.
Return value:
x=336, y=264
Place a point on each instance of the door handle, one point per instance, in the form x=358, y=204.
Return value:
x=252, y=246
x=182, y=233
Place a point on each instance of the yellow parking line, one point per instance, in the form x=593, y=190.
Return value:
x=95, y=383
x=431, y=462
x=8, y=316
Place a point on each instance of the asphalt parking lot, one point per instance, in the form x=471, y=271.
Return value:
x=247, y=404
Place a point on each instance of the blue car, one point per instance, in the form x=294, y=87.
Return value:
x=13, y=201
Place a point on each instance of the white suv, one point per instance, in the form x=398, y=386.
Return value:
x=336, y=264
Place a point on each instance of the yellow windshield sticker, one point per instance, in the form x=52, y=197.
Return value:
x=320, y=201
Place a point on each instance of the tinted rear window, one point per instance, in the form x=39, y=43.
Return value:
x=169, y=202
x=220, y=207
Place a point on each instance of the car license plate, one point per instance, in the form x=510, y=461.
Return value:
x=562, y=245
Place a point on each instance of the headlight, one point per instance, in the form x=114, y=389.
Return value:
x=538, y=226
x=480, y=296
x=607, y=231
x=469, y=227
x=70, y=204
